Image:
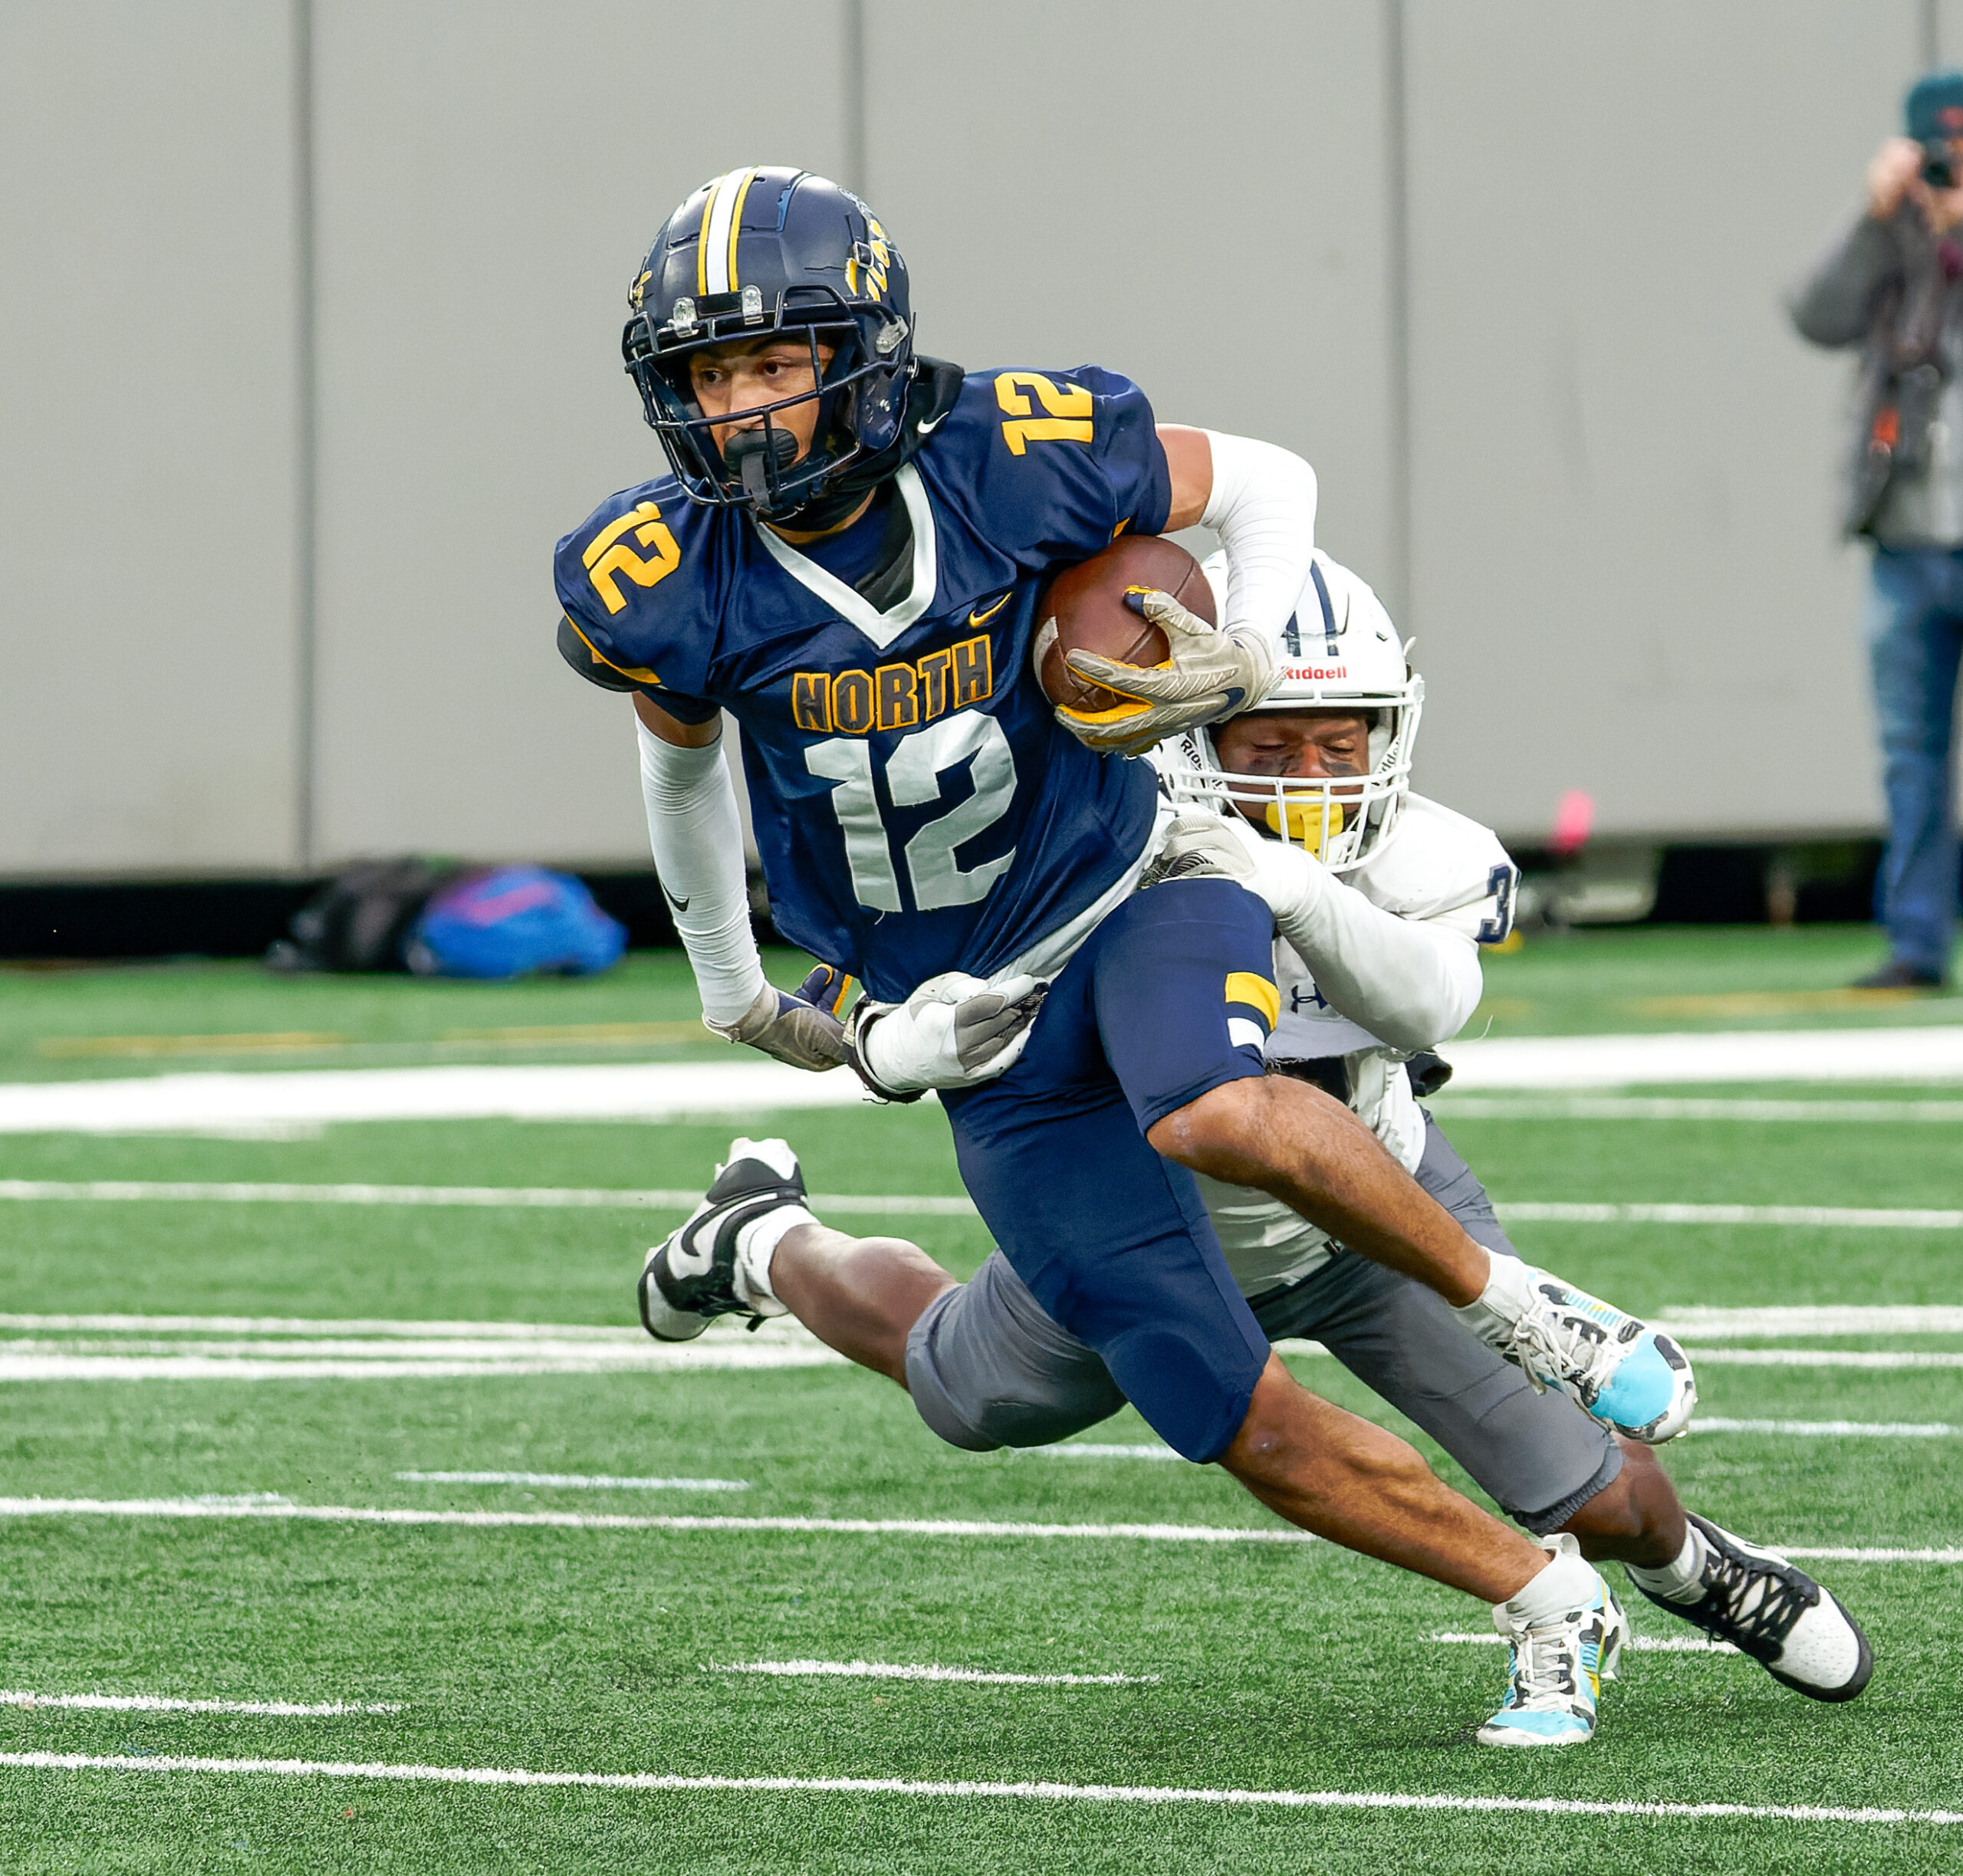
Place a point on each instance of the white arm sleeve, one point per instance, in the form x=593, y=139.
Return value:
x=1263, y=507
x=697, y=834
x=1411, y=982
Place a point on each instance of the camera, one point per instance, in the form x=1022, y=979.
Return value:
x=1938, y=167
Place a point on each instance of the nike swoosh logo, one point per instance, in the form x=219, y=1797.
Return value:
x=977, y=618
x=1234, y=696
x=681, y=905
x=928, y=425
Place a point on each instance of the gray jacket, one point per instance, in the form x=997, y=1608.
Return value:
x=1895, y=290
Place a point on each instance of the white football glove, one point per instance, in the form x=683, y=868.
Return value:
x=1226, y=846
x=953, y=1032
x=803, y=1030
x=1213, y=673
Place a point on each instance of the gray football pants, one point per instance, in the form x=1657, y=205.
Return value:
x=988, y=1368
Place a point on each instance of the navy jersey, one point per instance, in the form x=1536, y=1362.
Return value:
x=917, y=806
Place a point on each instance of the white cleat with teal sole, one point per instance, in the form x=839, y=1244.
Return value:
x=1617, y=1369
x=1555, y=1674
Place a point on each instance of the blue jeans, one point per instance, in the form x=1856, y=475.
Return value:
x=1914, y=641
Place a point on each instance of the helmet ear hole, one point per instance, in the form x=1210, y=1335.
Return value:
x=1380, y=737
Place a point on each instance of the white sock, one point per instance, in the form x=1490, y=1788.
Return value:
x=1568, y=1583
x=756, y=1244
x=1680, y=1582
x=1507, y=1296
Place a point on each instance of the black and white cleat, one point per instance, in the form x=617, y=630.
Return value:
x=1795, y=1628
x=693, y=1276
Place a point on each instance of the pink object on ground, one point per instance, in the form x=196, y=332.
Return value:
x=1574, y=816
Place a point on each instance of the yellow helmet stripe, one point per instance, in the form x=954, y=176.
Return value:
x=736, y=224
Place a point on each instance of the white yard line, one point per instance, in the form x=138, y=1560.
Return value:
x=1689, y=1319
x=285, y=1100
x=688, y=1358
x=1043, y=1791
x=333, y=1325
x=107, y=1347
x=1094, y=1449
x=482, y=1197
x=161, y=1703
x=1832, y=1429
x=291, y=1349
x=1663, y=1107
x=256, y=1506
x=602, y=1521
x=576, y=1481
x=1642, y=1644
x=1821, y=1358
x=524, y=1198
x=355, y=1348
x=1838, y=1553
x=892, y=1670
x=1683, y=1319
x=1857, y=1218
x=1492, y=1063
x=274, y=1097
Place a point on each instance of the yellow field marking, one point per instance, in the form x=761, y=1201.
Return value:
x=546, y=1034
x=1769, y=1003
x=543, y=1036
x=74, y=1048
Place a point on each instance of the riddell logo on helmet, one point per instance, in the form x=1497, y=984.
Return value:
x=1314, y=674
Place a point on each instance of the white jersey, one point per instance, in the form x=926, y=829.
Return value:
x=1450, y=879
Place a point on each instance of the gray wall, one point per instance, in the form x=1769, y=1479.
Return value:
x=1623, y=566
x=309, y=315
x=148, y=440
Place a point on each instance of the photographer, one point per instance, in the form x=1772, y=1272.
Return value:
x=1892, y=284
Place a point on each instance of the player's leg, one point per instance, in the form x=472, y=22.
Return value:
x=1112, y=1241
x=1310, y=1151
x=986, y=1366
x=1553, y=1468
x=861, y=1296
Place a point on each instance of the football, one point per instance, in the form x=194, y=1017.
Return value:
x=1083, y=609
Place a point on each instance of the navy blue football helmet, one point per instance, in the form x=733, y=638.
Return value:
x=754, y=254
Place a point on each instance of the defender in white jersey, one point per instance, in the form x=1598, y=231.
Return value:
x=1325, y=766
x=1381, y=900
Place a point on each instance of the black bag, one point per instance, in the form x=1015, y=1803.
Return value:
x=359, y=922
x=1902, y=378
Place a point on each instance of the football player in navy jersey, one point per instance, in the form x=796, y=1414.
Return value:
x=846, y=558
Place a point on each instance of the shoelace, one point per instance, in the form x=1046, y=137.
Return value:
x=1767, y=1618
x=1547, y=1665
x=1572, y=1346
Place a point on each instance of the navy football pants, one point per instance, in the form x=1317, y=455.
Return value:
x=1112, y=1239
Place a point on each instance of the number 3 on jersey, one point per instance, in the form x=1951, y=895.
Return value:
x=913, y=778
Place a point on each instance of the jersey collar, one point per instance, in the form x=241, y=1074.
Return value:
x=854, y=608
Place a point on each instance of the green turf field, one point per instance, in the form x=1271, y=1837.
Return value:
x=1250, y=1667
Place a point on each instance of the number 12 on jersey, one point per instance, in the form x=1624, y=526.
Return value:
x=913, y=778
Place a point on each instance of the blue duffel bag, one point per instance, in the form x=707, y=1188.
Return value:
x=511, y=921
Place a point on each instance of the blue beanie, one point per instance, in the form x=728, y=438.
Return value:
x=1935, y=108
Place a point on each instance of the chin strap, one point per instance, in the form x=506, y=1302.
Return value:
x=935, y=389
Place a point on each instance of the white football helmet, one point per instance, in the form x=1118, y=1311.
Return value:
x=1340, y=652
